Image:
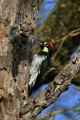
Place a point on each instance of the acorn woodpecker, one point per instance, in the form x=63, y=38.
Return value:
x=40, y=63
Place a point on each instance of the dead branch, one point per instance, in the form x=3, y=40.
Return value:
x=54, y=89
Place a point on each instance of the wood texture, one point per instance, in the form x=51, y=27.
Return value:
x=54, y=89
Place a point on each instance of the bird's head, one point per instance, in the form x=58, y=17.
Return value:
x=48, y=48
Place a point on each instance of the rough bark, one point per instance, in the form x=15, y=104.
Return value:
x=15, y=53
x=54, y=89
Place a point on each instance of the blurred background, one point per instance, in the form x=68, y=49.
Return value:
x=59, y=22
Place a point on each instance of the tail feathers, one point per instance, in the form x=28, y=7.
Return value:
x=31, y=85
x=32, y=82
x=30, y=88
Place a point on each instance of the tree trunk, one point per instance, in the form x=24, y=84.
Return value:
x=17, y=19
x=15, y=53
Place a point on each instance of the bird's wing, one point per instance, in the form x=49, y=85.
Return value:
x=46, y=64
x=35, y=68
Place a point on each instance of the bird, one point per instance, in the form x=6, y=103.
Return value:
x=40, y=63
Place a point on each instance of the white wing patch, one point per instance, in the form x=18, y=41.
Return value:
x=35, y=68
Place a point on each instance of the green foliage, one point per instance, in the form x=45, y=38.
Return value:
x=64, y=18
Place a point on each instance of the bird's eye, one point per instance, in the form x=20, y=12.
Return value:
x=47, y=45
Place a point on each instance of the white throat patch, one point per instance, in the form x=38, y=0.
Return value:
x=45, y=49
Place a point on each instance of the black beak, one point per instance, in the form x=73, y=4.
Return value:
x=41, y=44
